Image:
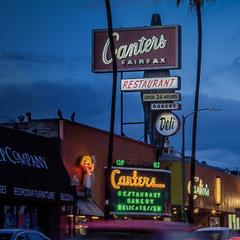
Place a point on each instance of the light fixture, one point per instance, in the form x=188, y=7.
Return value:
x=196, y=210
x=213, y=211
x=218, y=190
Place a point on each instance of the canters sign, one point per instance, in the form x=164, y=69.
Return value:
x=138, y=49
x=139, y=191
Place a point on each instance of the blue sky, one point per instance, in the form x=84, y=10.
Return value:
x=46, y=56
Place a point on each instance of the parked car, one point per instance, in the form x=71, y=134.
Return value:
x=216, y=233
x=135, y=230
x=21, y=234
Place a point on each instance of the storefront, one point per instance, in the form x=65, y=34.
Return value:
x=35, y=190
x=216, y=194
x=84, y=153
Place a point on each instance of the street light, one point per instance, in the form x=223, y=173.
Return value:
x=183, y=217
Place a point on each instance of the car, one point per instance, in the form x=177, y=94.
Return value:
x=21, y=234
x=135, y=230
x=216, y=233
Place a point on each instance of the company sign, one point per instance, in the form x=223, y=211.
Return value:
x=142, y=84
x=167, y=124
x=165, y=106
x=154, y=97
x=138, y=49
x=139, y=191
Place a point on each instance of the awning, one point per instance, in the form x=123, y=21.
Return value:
x=31, y=169
x=88, y=207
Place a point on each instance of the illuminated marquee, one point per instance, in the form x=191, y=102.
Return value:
x=139, y=191
x=134, y=181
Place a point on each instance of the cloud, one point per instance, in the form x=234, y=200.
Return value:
x=43, y=98
x=34, y=57
x=222, y=158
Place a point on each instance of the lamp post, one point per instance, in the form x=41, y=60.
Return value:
x=191, y=204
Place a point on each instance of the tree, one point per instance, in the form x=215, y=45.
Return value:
x=113, y=106
x=197, y=5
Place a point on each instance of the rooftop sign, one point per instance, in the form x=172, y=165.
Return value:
x=141, y=84
x=138, y=49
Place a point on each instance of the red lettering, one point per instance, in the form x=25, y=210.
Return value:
x=160, y=83
x=172, y=80
x=155, y=83
x=136, y=84
x=125, y=83
x=166, y=82
x=130, y=84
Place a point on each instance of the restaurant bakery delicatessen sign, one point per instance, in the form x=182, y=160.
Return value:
x=140, y=191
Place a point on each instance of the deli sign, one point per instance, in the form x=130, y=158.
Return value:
x=138, y=49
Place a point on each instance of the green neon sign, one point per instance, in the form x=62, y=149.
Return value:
x=120, y=162
x=156, y=165
x=139, y=199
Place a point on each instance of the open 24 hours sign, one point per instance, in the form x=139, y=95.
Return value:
x=140, y=191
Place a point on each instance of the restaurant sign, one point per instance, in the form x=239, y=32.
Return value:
x=139, y=191
x=137, y=49
x=142, y=84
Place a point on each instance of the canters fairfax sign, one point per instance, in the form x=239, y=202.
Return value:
x=139, y=191
x=138, y=49
x=141, y=84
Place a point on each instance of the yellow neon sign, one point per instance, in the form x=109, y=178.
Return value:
x=218, y=190
x=134, y=181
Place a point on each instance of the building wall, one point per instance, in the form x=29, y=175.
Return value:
x=230, y=186
x=79, y=140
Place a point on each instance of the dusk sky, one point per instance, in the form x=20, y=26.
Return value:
x=46, y=58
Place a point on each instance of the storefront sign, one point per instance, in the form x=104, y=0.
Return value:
x=161, y=97
x=134, y=181
x=199, y=189
x=165, y=106
x=140, y=191
x=141, y=84
x=8, y=155
x=138, y=49
x=32, y=170
x=167, y=124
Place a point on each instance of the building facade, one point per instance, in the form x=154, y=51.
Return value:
x=215, y=202
x=35, y=190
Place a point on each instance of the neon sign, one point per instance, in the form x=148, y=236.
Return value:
x=134, y=181
x=199, y=189
x=140, y=191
